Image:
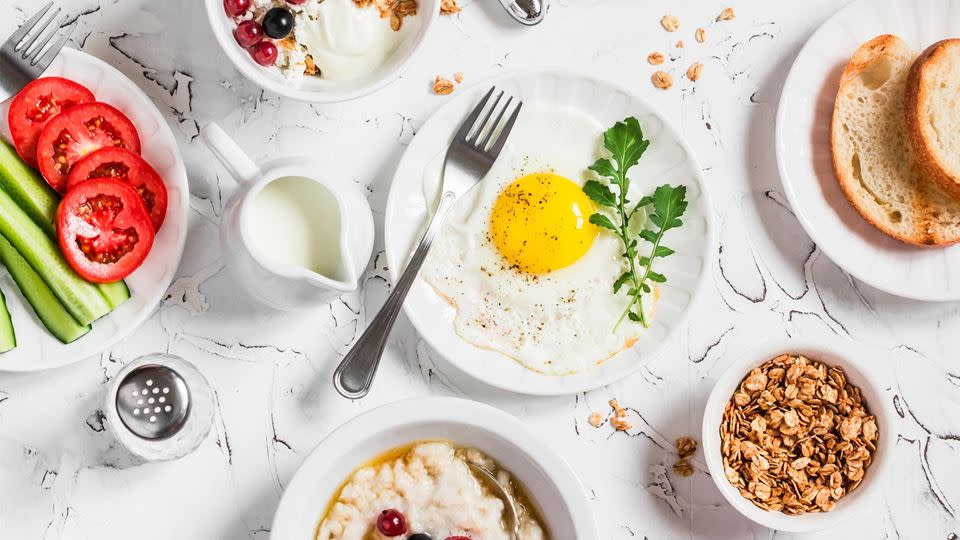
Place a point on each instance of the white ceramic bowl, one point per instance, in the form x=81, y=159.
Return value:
x=855, y=360
x=313, y=89
x=551, y=483
x=668, y=160
x=36, y=348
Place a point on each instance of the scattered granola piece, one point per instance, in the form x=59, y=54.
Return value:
x=683, y=468
x=442, y=86
x=655, y=58
x=662, y=80
x=458, y=76
x=726, y=15
x=796, y=436
x=670, y=23
x=694, y=71
x=686, y=446
x=595, y=420
x=620, y=411
x=449, y=7
x=311, y=66
x=701, y=35
x=620, y=424
x=395, y=22
x=288, y=43
x=680, y=44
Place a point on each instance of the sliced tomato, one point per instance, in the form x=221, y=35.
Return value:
x=120, y=163
x=104, y=229
x=78, y=131
x=35, y=105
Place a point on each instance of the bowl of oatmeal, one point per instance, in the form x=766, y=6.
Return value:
x=797, y=434
x=404, y=470
x=321, y=51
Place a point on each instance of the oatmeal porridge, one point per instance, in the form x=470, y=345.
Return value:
x=426, y=489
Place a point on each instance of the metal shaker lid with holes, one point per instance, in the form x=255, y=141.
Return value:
x=159, y=407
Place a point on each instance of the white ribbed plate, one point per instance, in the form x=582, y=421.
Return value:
x=668, y=160
x=803, y=149
x=36, y=348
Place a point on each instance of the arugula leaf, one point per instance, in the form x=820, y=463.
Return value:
x=603, y=221
x=599, y=193
x=626, y=145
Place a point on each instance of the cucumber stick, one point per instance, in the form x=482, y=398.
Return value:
x=8, y=340
x=115, y=293
x=50, y=311
x=83, y=300
x=39, y=201
x=28, y=189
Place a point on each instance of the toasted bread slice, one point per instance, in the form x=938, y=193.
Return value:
x=933, y=113
x=872, y=154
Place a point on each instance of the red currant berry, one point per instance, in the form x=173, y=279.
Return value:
x=391, y=523
x=235, y=8
x=248, y=33
x=264, y=53
x=296, y=2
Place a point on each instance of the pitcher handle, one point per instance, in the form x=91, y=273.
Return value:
x=240, y=167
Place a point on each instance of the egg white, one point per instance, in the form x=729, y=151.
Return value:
x=556, y=323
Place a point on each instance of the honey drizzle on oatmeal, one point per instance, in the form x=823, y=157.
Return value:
x=521, y=498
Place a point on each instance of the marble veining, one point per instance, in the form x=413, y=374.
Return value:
x=63, y=477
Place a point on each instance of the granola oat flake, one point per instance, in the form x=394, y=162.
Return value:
x=796, y=436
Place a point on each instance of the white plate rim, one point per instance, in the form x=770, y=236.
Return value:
x=835, y=254
x=180, y=207
x=587, y=380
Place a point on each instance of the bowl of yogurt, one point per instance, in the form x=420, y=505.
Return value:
x=403, y=470
x=321, y=51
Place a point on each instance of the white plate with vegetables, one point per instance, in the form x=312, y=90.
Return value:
x=93, y=202
x=528, y=287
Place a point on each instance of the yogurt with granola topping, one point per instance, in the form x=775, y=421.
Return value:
x=434, y=491
x=340, y=39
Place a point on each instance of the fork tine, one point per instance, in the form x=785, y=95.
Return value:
x=467, y=124
x=505, y=132
x=40, y=30
x=483, y=123
x=482, y=145
x=54, y=49
x=21, y=32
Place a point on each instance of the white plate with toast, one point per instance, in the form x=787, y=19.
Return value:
x=908, y=267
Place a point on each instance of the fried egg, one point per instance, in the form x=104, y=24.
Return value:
x=529, y=275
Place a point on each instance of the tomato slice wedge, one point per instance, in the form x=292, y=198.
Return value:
x=78, y=131
x=122, y=164
x=35, y=105
x=103, y=229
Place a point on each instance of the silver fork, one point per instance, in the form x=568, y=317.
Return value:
x=470, y=156
x=20, y=58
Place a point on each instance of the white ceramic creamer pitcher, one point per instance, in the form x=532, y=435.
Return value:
x=268, y=277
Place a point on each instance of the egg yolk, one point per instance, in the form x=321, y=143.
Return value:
x=540, y=223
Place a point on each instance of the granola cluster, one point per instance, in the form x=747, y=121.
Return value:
x=396, y=10
x=796, y=436
x=686, y=447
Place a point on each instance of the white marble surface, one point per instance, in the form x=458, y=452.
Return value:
x=61, y=475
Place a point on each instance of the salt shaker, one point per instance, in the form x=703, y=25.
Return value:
x=160, y=407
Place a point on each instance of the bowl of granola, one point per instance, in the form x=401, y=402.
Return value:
x=321, y=51
x=797, y=435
